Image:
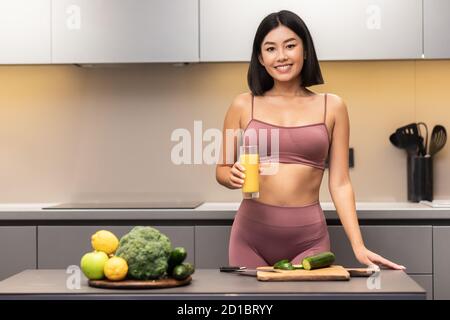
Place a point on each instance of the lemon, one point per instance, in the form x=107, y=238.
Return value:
x=116, y=269
x=105, y=241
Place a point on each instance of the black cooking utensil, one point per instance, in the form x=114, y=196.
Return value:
x=409, y=138
x=394, y=140
x=409, y=129
x=424, y=147
x=438, y=139
x=409, y=142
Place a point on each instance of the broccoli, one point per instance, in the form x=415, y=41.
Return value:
x=146, y=251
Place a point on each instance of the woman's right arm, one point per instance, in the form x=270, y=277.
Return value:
x=231, y=175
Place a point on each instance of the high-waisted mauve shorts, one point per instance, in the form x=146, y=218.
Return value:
x=263, y=234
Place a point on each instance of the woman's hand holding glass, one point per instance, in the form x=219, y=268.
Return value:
x=237, y=176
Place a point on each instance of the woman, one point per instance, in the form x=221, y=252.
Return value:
x=286, y=221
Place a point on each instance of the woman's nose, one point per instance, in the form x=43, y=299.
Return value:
x=281, y=55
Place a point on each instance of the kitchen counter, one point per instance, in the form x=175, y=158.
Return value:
x=214, y=211
x=210, y=284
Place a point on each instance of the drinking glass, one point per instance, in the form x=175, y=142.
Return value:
x=249, y=159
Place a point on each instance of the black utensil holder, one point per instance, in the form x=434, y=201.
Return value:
x=420, y=178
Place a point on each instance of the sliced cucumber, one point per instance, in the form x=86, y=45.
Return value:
x=283, y=265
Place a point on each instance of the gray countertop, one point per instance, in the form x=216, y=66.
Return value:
x=216, y=211
x=210, y=284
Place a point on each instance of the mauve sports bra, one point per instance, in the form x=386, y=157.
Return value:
x=307, y=144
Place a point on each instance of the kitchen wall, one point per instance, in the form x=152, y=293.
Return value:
x=77, y=134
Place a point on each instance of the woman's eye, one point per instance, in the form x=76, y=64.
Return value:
x=289, y=46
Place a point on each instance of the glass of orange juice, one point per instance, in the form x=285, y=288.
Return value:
x=249, y=159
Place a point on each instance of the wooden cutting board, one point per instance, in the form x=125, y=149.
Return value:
x=333, y=272
x=139, y=284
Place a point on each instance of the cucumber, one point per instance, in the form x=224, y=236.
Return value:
x=317, y=261
x=180, y=272
x=177, y=256
x=190, y=267
x=283, y=265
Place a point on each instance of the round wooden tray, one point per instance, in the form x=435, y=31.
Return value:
x=139, y=284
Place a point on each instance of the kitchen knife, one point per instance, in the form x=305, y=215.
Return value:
x=242, y=270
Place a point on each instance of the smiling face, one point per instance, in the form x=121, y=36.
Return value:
x=282, y=54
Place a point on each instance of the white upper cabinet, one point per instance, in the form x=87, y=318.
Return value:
x=341, y=30
x=25, y=32
x=134, y=31
x=121, y=31
x=436, y=22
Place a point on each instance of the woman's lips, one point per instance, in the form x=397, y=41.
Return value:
x=285, y=68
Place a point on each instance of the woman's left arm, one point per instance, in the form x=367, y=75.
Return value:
x=341, y=189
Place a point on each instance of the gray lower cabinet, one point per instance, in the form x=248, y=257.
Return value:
x=207, y=247
x=441, y=253
x=426, y=282
x=410, y=246
x=211, y=246
x=62, y=246
x=17, y=250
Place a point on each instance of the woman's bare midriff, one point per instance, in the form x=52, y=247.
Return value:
x=293, y=185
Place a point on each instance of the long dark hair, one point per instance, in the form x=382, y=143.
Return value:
x=258, y=79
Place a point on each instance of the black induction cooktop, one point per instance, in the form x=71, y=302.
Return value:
x=128, y=205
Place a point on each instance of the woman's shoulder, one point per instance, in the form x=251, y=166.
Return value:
x=237, y=108
x=335, y=103
x=242, y=100
x=333, y=98
x=241, y=103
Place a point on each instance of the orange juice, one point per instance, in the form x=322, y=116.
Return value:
x=251, y=164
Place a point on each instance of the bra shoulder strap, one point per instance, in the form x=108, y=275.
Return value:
x=325, y=110
x=253, y=98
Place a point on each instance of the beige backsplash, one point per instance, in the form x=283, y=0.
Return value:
x=69, y=133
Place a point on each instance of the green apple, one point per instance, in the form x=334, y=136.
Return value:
x=92, y=264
